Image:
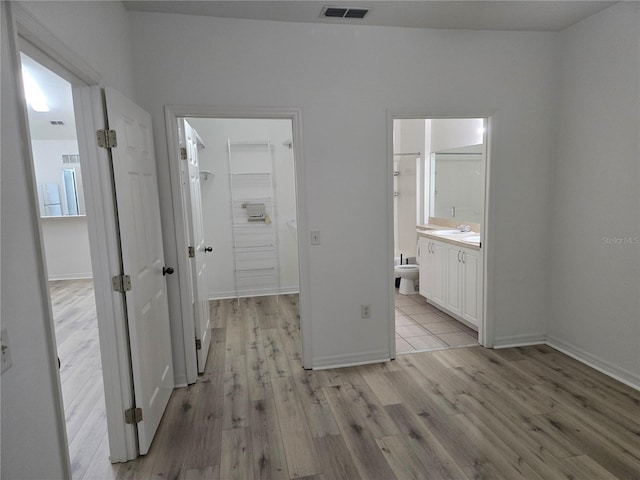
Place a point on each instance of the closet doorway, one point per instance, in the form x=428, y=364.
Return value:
x=249, y=173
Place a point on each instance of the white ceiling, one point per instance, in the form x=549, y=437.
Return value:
x=57, y=92
x=537, y=15
x=470, y=15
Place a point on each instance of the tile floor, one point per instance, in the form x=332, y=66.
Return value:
x=422, y=327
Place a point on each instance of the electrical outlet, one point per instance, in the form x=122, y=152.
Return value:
x=365, y=311
x=6, y=352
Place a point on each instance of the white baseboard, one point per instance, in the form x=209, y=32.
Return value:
x=350, y=360
x=621, y=374
x=254, y=293
x=71, y=276
x=519, y=340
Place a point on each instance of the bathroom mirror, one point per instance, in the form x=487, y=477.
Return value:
x=457, y=184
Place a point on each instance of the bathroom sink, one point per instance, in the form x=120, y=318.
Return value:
x=446, y=232
x=472, y=239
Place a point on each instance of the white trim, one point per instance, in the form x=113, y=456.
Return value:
x=71, y=276
x=519, y=341
x=390, y=257
x=622, y=375
x=102, y=232
x=38, y=35
x=182, y=245
x=48, y=325
x=224, y=295
x=350, y=360
x=105, y=260
x=486, y=326
x=525, y=340
x=229, y=294
x=486, y=330
x=172, y=113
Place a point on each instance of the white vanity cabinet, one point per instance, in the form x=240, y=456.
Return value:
x=451, y=278
x=472, y=286
x=454, y=280
x=432, y=271
x=425, y=280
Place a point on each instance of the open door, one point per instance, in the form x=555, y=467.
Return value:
x=198, y=250
x=138, y=206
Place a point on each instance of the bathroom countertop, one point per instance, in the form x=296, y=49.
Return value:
x=455, y=239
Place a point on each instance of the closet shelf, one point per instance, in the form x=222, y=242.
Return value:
x=255, y=243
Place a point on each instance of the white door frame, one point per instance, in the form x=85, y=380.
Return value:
x=172, y=114
x=486, y=330
x=101, y=220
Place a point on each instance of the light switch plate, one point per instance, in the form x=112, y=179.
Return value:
x=315, y=237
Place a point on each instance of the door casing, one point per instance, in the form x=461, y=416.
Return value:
x=172, y=114
x=486, y=330
x=101, y=220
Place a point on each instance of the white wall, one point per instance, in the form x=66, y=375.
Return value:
x=595, y=310
x=66, y=239
x=216, y=200
x=345, y=98
x=66, y=245
x=448, y=133
x=31, y=417
x=30, y=396
x=47, y=159
x=513, y=77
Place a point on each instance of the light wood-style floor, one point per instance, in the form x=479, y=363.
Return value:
x=528, y=413
x=76, y=327
x=466, y=413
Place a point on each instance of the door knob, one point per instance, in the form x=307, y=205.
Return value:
x=167, y=270
x=208, y=249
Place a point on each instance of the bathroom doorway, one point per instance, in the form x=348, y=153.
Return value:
x=439, y=169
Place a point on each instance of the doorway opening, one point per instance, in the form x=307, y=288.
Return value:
x=439, y=167
x=249, y=175
x=65, y=234
x=249, y=197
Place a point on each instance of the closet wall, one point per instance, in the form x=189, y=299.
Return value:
x=216, y=201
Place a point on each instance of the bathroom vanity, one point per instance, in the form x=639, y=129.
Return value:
x=451, y=272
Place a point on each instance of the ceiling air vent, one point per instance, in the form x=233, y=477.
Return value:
x=57, y=122
x=344, y=12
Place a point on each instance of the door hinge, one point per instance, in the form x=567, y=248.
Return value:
x=121, y=283
x=107, y=138
x=133, y=415
x=192, y=252
x=183, y=153
x=198, y=344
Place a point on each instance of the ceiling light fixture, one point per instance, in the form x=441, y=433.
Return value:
x=35, y=97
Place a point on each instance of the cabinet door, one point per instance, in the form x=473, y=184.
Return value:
x=472, y=291
x=453, y=280
x=425, y=269
x=439, y=268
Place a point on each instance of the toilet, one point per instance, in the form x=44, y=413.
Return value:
x=408, y=275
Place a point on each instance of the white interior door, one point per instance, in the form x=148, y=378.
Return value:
x=198, y=262
x=138, y=207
